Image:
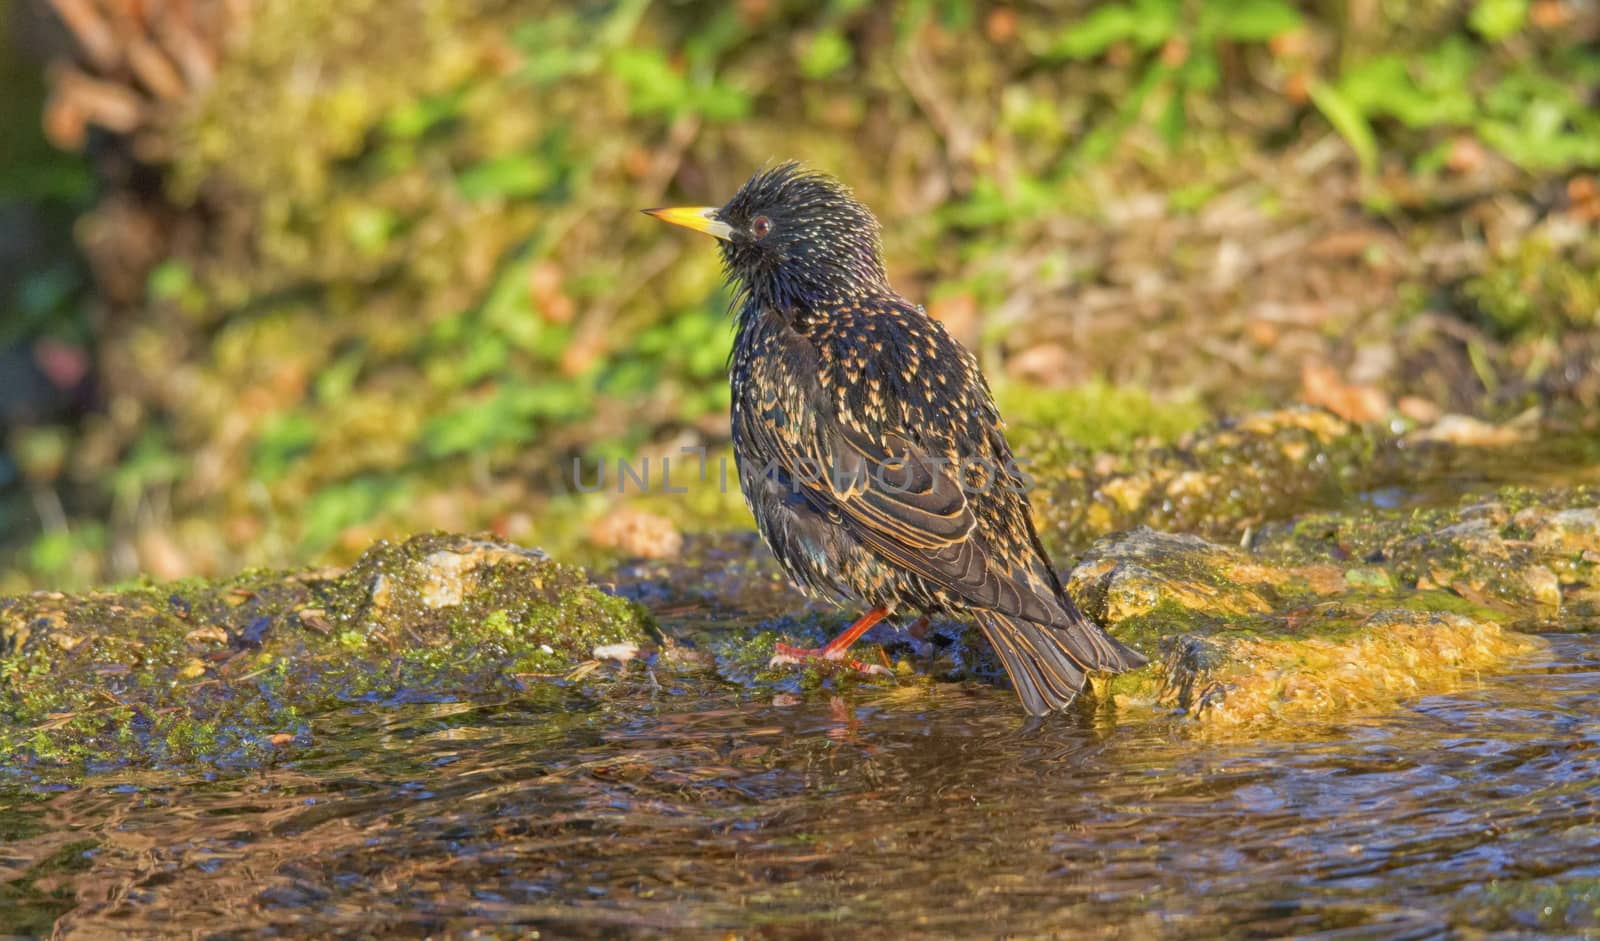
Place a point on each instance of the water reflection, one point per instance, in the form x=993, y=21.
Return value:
x=877, y=813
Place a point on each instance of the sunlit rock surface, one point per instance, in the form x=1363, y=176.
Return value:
x=230, y=670
x=1306, y=589
x=1246, y=643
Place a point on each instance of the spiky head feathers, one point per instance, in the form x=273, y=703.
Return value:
x=800, y=236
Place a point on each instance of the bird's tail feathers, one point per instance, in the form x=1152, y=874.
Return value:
x=1091, y=645
x=1049, y=665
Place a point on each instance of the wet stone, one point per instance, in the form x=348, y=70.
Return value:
x=1244, y=641
x=1312, y=616
x=106, y=679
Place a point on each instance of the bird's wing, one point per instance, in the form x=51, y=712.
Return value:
x=896, y=496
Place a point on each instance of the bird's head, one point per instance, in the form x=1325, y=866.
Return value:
x=792, y=236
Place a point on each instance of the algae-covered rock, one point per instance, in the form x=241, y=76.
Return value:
x=1530, y=554
x=1243, y=641
x=1324, y=615
x=1218, y=481
x=1226, y=481
x=1389, y=654
x=1343, y=611
x=1257, y=640
x=227, y=670
x=1145, y=571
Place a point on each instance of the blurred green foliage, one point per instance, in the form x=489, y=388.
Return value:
x=1178, y=48
x=1536, y=288
x=1535, y=111
x=423, y=284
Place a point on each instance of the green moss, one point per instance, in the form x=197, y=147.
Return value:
x=1094, y=416
x=218, y=671
x=1247, y=641
x=1509, y=551
x=1221, y=481
x=1446, y=602
x=1534, y=287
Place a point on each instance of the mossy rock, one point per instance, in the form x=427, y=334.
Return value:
x=1529, y=554
x=1226, y=481
x=1287, y=633
x=1219, y=481
x=226, y=671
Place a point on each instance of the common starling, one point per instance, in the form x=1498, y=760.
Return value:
x=868, y=444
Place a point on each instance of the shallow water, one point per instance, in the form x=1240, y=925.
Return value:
x=1454, y=475
x=868, y=813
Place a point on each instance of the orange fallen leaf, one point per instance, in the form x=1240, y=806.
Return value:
x=1321, y=385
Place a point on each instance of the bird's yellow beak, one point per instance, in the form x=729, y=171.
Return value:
x=699, y=218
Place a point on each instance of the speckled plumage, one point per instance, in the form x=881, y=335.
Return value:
x=857, y=419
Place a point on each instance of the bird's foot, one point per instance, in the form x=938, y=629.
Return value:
x=786, y=655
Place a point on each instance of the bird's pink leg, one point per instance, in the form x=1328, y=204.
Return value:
x=835, y=649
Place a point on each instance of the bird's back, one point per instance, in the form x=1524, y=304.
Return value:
x=893, y=377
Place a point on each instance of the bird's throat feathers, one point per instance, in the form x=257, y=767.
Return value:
x=795, y=290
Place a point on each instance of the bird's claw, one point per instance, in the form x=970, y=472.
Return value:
x=785, y=655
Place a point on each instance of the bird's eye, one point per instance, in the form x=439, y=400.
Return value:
x=760, y=226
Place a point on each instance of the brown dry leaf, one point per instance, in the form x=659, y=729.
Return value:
x=1175, y=52
x=209, y=634
x=161, y=555
x=1345, y=243
x=1047, y=364
x=1465, y=431
x=1466, y=155
x=638, y=533
x=1419, y=410
x=1321, y=385
x=188, y=50
x=1000, y=25
x=155, y=71
x=544, y=281
x=1549, y=14
x=111, y=106
x=1297, y=88
x=559, y=309
x=638, y=162
x=584, y=351
x=1584, y=193
x=959, y=314
x=1294, y=43
x=1325, y=579
x=316, y=619
x=1263, y=333
x=65, y=124
x=1474, y=593
x=96, y=38
x=56, y=721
